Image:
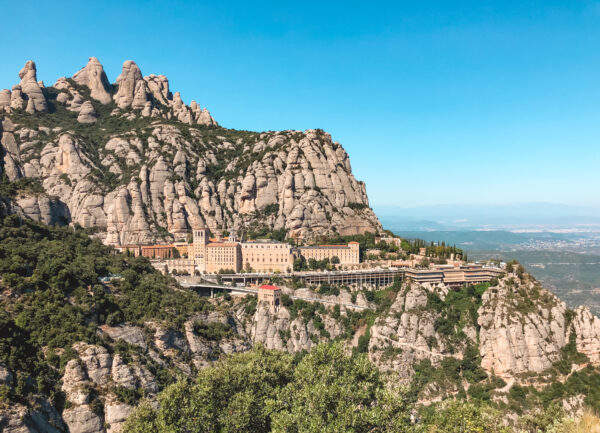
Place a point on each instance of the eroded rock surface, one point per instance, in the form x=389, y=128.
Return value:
x=167, y=165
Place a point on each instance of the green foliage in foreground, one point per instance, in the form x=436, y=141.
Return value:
x=262, y=391
x=325, y=391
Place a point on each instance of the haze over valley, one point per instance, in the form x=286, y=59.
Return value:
x=558, y=244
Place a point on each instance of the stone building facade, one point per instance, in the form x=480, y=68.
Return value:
x=213, y=255
x=267, y=256
x=270, y=295
x=347, y=254
x=160, y=252
x=223, y=255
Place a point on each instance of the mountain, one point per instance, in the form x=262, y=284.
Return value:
x=80, y=354
x=132, y=163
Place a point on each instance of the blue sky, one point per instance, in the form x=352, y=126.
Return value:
x=436, y=102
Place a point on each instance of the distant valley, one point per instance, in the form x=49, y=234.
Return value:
x=566, y=261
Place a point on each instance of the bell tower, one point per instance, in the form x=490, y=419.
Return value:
x=200, y=242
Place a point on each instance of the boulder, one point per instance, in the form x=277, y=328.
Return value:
x=81, y=419
x=4, y=100
x=87, y=114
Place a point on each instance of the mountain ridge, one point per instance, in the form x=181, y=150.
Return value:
x=133, y=162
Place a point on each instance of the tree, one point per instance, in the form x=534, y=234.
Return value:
x=335, y=260
x=333, y=392
x=461, y=417
x=299, y=264
x=230, y=396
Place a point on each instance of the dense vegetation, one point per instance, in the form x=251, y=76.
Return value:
x=52, y=297
x=323, y=391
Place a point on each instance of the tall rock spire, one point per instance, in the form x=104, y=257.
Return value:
x=129, y=89
x=93, y=76
x=32, y=89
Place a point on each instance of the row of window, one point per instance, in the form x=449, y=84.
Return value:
x=269, y=246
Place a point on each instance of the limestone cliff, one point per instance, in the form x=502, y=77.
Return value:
x=134, y=162
x=520, y=332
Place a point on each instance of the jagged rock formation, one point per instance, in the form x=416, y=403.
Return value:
x=87, y=114
x=516, y=340
x=136, y=162
x=94, y=78
x=32, y=89
x=520, y=329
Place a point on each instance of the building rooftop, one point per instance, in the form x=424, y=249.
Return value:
x=268, y=287
x=222, y=244
x=324, y=246
x=262, y=241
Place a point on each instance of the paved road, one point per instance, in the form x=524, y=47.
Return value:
x=255, y=291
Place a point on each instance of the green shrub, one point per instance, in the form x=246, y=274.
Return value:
x=214, y=331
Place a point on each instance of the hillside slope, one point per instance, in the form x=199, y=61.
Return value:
x=78, y=353
x=135, y=163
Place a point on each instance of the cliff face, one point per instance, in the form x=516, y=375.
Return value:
x=519, y=332
x=132, y=160
x=520, y=329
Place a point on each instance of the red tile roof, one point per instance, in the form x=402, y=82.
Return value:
x=267, y=287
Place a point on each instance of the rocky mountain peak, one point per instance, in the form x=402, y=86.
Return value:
x=159, y=87
x=94, y=78
x=150, y=95
x=137, y=164
x=28, y=73
x=131, y=85
x=29, y=90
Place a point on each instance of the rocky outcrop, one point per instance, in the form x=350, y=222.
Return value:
x=32, y=89
x=82, y=419
x=516, y=340
x=587, y=330
x=20, y=419
x=4, y=100
x=132, y=89
x=409, y=330
x=93, y=77
x=171, y=172
x=520, y=329
x=87, y=114
x=130, y=334
x=115, y=415
x=42, y=208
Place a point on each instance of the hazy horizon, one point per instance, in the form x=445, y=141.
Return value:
x=517, y=216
